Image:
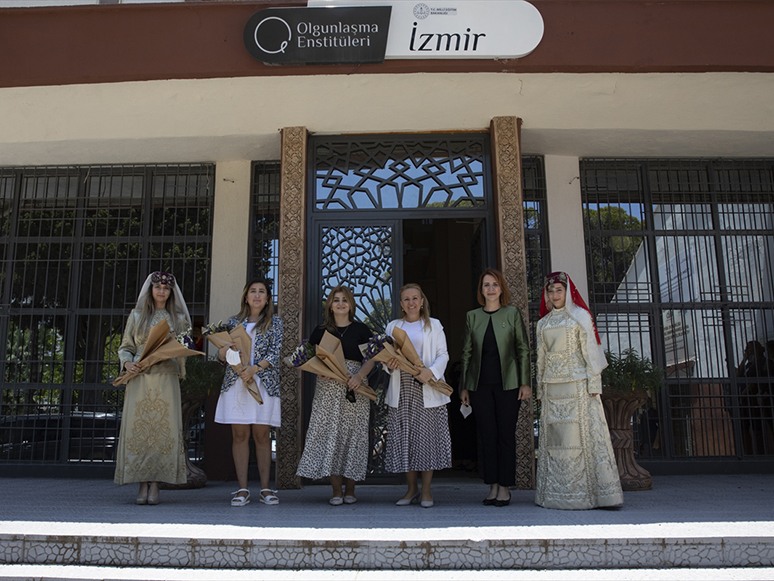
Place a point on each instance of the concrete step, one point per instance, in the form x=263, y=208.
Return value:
x=711, y=544
x=83, y=573
x=685, y=522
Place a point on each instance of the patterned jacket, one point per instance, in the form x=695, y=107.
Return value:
x=266, y=346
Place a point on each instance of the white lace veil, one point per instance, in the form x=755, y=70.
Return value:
x=180, y=305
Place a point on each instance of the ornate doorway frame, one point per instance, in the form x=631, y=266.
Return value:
x=509, y=233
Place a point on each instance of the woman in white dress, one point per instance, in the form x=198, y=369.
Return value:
x=576, y=467
x=418, y=438
x=240, y=409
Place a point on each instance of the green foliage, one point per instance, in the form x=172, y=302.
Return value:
x=610, y=255
x=381, y=314
x=630, y=372
x=203, y=376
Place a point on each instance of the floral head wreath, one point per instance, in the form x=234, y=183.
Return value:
x=159, y=277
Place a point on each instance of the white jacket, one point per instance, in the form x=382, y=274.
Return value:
x=435, y=356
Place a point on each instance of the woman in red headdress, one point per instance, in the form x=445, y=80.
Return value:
x=576, y=467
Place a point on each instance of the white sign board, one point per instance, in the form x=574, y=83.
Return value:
x=480, y=29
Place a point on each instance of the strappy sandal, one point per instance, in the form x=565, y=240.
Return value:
x=240, y=500
x=269, y=498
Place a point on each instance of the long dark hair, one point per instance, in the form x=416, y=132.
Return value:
x=267, y=313
x=330, y=320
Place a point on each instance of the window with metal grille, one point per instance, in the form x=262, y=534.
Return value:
x=536, y=248
x=264, y=225
x=76, y=245
x=264, y=235
x=679, y=257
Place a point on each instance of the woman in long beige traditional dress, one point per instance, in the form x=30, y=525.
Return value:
x=150, y=443
x=576, y=467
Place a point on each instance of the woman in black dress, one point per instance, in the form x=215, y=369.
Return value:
x=337, y=439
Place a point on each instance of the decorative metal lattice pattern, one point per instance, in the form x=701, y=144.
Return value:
x=360, y=258
x=686, y=248
x=399, y=172
x=77, y=243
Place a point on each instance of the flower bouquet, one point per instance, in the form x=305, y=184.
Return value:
x=383, y=348
x=327, y=360
x=162, y=344
x=239, y=342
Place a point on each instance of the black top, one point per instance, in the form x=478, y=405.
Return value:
x=491, y=372
x=351, y=338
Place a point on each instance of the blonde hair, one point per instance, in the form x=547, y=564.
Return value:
x=267, y=313
x=330, y=321
x=424, y=311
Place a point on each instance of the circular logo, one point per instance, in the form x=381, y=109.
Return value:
x=421, y=11
x=272, y=35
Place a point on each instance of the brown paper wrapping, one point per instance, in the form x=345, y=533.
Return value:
x=329, y=362
x=244, y=345
x=161, y=345
x=406, y=350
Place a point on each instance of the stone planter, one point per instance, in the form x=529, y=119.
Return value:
x=619, y=408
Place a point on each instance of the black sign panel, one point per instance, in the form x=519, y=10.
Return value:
x=342, y=35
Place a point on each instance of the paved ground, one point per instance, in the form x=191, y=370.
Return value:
x=675, y=500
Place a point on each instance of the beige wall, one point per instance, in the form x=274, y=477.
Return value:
x=565, y=219
x=594, y=114
x=230, y=238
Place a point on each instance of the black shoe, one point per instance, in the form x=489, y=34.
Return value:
x=502, y=502
x=489, y=501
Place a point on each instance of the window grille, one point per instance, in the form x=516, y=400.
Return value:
x=76, y=245
x=679, y=258
x=536, y=247
x=400, y=172
x=264, y=250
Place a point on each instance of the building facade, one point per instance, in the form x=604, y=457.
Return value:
x=633, y=148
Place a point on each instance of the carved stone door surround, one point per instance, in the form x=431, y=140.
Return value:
x=506, y=161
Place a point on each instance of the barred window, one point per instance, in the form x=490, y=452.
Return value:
x=679, y=257
x=264, y=250
x=76, y=245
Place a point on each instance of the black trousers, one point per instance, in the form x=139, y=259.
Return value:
x=497, y=411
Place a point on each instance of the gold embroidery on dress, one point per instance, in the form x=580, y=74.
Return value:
x=576, y=467
x=151, y=432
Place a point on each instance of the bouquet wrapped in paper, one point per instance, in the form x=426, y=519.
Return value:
x=162, y=344
x=383, y=348
x=238, y=356
x=327, y=360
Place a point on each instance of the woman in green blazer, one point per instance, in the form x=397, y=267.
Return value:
x=496, y=377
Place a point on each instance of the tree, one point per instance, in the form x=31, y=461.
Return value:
x=610, y=253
